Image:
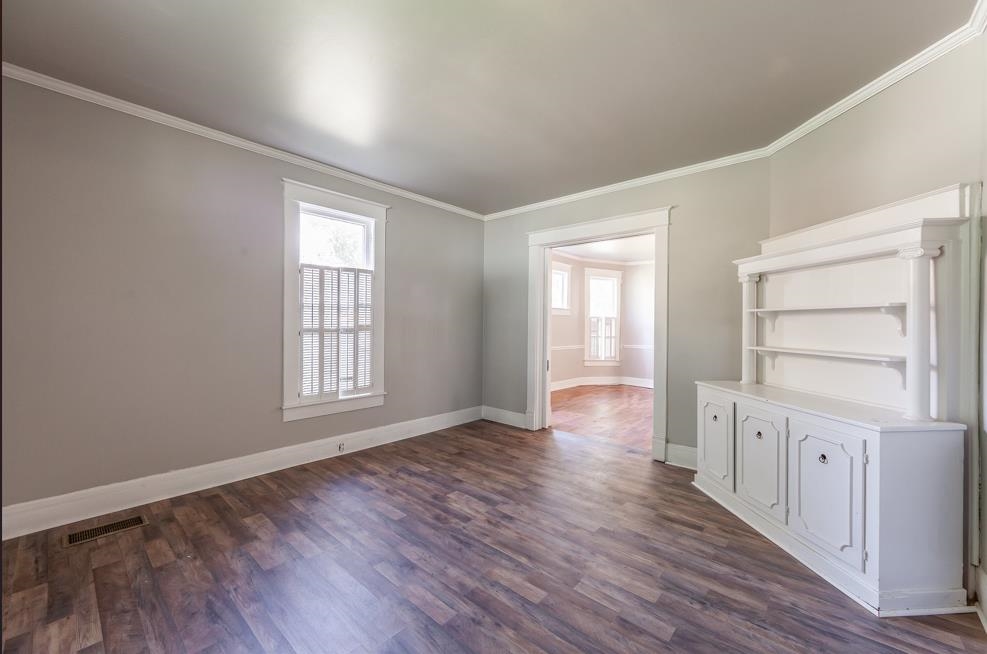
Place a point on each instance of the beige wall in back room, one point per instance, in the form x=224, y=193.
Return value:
x=636, y=323
x=638, y=326
x=142, y=300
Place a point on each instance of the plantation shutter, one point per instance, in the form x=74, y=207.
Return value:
x=337, y=332
x=602, y=338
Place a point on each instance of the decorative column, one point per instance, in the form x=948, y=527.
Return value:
x=748, y=329
x=918, y=321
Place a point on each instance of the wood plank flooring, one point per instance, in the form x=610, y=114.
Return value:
x=617, y=413
x=480, y=538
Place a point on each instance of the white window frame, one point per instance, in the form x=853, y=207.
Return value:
x=567, y=269
x=344, y=207
x=608, y=274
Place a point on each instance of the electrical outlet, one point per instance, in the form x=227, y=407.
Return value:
x=342, y=446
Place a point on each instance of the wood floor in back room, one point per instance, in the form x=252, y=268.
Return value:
x=479, y=538
x=621, y=414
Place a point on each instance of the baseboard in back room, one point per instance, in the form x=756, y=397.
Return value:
x=44, y=513
x=563, y=384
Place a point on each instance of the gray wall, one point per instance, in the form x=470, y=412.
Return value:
x=719, y=215
x=142, y=308
x=923, y=133
x=982, y=577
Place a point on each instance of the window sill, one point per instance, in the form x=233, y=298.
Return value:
x=328, y=407
x=602, y=363
x=561, y=312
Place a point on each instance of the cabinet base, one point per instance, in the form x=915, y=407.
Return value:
x=886, y=604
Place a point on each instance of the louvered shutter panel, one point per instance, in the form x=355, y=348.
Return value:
x=364, y=330
x=337, y=331
x=311, y=278
x=330, y=331
x=594, y=338
x=347, y=324
x=609, y=338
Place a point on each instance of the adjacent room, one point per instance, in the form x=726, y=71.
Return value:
x=550, y=326
x=601, y=331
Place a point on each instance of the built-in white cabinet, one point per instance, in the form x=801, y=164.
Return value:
x=844, y=440
x=717, y=451
x=868, y=499
x=826, y=487
x=761, y=464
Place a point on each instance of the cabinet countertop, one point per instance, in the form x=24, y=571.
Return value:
x=863, y=415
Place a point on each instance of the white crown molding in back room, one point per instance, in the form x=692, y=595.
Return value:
x=973, y=28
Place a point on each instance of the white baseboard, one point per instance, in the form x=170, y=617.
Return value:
x=505, y=417
x=563, y=384
x=35, y=515
x=682, y=456
x=982, y=596
x=659, y=449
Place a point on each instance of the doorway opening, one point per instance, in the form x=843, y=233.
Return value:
x=599, y=342
x=601, y=336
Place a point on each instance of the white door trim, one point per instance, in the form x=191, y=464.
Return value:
x=652, y=221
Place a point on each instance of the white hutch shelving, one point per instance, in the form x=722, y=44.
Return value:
x=845, y=439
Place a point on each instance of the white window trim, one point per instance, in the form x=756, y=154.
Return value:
x=600, y=272
x=567, y=309
x=295, y=193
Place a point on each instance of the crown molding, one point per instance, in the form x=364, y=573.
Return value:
x=973, y=28
x=575, y=257
x=88, y=95
x=730, y=160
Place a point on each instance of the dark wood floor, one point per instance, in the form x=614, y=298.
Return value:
x=617, y=413
x=480, y=538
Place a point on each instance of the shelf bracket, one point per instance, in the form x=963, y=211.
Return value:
x=899, y=366
x=898, y=313
x=770, y=356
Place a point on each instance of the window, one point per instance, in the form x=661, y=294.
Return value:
x=602, y=315
x=560, y=288
x=333, y=302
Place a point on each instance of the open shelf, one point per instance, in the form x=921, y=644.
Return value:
x=835, y=307
x=831, y=354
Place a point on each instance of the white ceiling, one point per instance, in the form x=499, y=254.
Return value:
x=618, y=250
x=485, y=104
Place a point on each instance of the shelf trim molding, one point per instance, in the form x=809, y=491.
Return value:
x=832, y=307
x=889, y=359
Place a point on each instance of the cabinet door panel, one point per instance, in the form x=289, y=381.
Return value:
x=761, y=460
x=715, y=453
x=826, y=490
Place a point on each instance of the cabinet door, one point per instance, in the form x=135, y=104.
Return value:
x=714, y=456
x=826, y=490
x=761, y=462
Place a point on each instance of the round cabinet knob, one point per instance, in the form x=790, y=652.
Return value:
x=758, y=436
x=823, y=458
x=715, y=417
